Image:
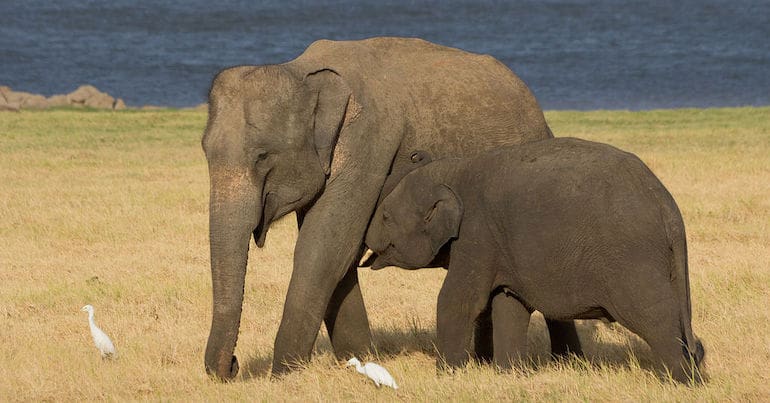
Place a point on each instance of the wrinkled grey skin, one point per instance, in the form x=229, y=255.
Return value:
x=571, y=228
x=326, y=135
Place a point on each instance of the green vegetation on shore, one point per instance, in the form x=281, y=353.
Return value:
x=110, y=208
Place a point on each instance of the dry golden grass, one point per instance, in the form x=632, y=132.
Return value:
x=110, y=208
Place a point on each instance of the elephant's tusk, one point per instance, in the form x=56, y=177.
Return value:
x=366, y=259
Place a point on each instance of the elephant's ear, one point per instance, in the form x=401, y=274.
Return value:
x=442, y=220
x=332, y=96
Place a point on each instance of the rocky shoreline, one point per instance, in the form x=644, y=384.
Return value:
x=84, y=96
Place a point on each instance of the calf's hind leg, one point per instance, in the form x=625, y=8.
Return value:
x=667, y=341
x=653, y=313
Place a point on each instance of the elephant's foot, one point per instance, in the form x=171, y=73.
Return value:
x=282, y=366
x=450, y=364
x=225, y=372
x=279, y=369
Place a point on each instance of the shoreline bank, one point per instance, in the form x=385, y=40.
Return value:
x=84, y=96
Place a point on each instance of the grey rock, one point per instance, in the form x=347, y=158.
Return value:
x=82, y=94
x=85, y=95
x=7, y=106
x=100, y=100
x=34, y=101
x=58, y=100
x=3, y=90
x=17, y=97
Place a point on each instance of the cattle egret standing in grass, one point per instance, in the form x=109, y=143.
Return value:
x=378, y=374
x=102, y=342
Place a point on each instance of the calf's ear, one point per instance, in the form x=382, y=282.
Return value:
x=442, y=220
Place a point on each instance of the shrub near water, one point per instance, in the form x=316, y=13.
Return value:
x=110, y=208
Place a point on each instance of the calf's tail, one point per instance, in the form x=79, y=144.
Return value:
x=692, y=347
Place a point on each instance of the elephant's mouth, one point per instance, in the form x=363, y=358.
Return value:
x=386, y=259
x=380, y=262
x=269, y=210
x=390, y=257
x=260, y=233
x=272, y=210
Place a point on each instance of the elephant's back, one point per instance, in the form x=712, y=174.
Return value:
x=555, y=157
x=453, y=102
x=562, y=174
x=386, y=54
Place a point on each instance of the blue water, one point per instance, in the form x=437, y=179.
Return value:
x=574, y=54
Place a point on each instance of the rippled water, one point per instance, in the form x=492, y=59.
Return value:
x=575, y=54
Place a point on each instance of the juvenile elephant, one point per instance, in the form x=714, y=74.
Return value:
x=571, y=228
x=326, y=135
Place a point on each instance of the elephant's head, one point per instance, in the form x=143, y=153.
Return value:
x=269, y=142
x=414, y=221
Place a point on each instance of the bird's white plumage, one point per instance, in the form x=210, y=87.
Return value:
x=375, y=372
x=101, y=340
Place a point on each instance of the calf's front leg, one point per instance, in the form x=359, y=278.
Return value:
x=461, y=299
x=510, y=321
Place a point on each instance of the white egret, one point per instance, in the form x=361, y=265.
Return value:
x=375, y=372
x=101, y=340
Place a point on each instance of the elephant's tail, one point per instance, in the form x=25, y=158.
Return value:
x=692, y=348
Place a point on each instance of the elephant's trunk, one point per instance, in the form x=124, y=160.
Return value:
x=235, y=210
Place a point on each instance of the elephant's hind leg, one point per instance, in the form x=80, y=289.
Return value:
x=346, y=319
x=653, y=314
x=483, y=343
x=666, y=342
x=564, y=338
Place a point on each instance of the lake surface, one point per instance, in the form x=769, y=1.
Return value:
x=574, y=54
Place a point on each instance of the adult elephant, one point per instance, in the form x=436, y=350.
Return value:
x=326, y=135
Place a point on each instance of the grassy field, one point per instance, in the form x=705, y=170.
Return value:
x=110, y=209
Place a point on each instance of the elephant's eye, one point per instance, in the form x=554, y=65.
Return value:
x=260, y=156
x=432, y=212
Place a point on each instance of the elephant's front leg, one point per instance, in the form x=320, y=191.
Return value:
x=511, y=321
x=329, y=240
x=346, y=320
x=461, y=300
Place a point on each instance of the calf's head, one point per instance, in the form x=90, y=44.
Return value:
x=413, y=222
